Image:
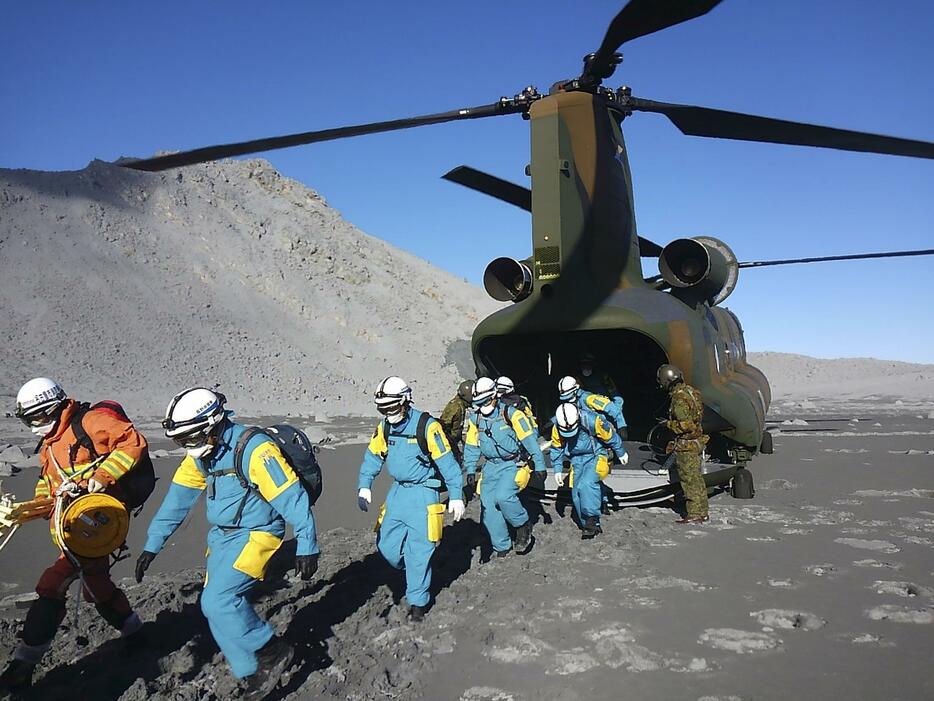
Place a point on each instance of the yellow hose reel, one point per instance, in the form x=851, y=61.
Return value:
x=94, y=525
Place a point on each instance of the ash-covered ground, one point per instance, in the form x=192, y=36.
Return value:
x=820, y=587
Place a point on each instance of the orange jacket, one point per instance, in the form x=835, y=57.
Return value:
x=117, y=442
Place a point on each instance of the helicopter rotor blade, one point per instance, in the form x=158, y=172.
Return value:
x=706, y=121
x=637, y=19
x=213, y=153
x=504, y=190
x=518, y=196
x=824, y=259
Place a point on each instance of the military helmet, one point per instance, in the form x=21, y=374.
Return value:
x=465, y=390
x=668, y=375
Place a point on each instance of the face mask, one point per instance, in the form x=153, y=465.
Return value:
x=586, y=372
x=396, y=418
x=200, y=451
x=43, y=430
x=487, y=409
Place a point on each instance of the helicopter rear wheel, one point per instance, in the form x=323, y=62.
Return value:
x=766, y=446
x=742, y=486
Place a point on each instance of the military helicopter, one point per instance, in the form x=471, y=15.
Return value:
x=583, y=289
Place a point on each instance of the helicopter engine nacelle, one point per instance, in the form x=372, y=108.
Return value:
x=705, y=268
x=508, y=280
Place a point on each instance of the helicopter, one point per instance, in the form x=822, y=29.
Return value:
x=583, y=289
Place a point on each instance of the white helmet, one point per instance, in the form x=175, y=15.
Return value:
x=392, y=396
x=484, y=390
x=504, y=386
x=38, y=403
x=567, y=419
x=568, y=388
x=192, y=417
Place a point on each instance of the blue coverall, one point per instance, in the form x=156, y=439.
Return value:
x=403, y=533
x=498, y=440
x=586, y=451
x=238, y=553
x=612, y=409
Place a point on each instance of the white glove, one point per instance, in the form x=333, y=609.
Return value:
x=559, y=478
x=624, y=459
x=364, y=497
x=456, y=507
x=95, y=486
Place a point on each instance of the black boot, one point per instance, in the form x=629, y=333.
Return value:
x=591, y=528
x=417, y=613
x=501, y=553
x=272, y=660
x=16, y=677
x=523, y=541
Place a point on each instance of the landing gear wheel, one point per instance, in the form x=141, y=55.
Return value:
x=766, y=446
x=742, y=487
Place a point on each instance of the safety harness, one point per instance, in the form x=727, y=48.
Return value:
x=502, y=453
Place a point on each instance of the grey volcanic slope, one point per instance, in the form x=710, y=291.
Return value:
x=800, y=376
x=134, y=285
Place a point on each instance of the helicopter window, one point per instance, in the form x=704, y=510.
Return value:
x=716, y=355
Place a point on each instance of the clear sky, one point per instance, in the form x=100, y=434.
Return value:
x=103, y=79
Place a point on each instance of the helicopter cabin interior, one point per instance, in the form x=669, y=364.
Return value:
x=536, y=362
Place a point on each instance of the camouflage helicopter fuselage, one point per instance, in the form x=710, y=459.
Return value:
x=588, y=292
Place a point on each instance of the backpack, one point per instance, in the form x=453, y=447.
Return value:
x=137, y=484
x=298, y=451
x=517, y=401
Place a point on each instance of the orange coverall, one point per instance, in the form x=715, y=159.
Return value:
x=60, y=457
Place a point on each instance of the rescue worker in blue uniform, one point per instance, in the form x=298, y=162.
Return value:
x=498, y=433
x=413, y=449
x=570, y=391
x=584, y=438
x=611, y=408
x=247, y=509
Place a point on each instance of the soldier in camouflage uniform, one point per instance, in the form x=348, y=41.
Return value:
x=687, y=413
x=452, y=418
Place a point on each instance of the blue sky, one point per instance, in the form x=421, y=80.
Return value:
x=100, y=80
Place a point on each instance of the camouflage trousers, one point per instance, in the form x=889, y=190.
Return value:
x=692, y=483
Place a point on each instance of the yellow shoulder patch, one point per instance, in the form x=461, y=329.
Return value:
x=437, y=442
x=520, y=424
x=597, y=401
x=603, y=430
x=269, y=471
x=188, y=474
x=473, y=434
x=556, y=437
x=378, y=445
